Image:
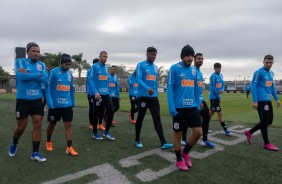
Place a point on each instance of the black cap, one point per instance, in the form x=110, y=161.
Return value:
x=187, y=51
x=31, y=44
x=65, y=58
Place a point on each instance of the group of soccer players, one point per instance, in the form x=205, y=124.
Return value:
x=184, y=93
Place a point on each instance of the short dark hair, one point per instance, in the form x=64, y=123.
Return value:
x=198, y=54
x=151, y=49
x=268, y=57
x=103, y=52
x=217, y=65
x=31, y=44
x=95, y=60
x=114, y=66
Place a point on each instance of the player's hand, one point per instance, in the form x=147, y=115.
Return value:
x=220, y=92
x=255, y=105
x=173, y=113
x=21, y=70
x=150, y=91
x=97, y=96
x=278, y=103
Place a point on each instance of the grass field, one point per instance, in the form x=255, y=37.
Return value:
x=238, y=163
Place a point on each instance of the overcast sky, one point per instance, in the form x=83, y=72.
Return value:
x=236, y=33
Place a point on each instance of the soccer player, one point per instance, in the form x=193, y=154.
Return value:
x=133, y=90
x=147, y=78
x=60, y=100
x=99, y=84
x=216, y=89
x=91, y=104
x=262, y=89
x=204, y=112
x=30, y=73
x=184, y=105
x=248, y=87
x=114, y=91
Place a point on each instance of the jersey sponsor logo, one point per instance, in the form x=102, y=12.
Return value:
x=112, y=85
x=135, y=84
x=187, y=83
x=187, y=101
x=218, y=85
x=62, y=101
x=176, y=126
x=200, y=84
x=151, y=77
x=103, y=77
x=63, y=88
x=32, y=92
x=268, y=83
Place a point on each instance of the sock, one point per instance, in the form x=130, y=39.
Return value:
x=178, y=156
x=35, y=146
x=49, y=137
x=15, y=140
x=184, y=138
x=223, y=125
x=69, y=143
x=205, y=138
x=187, y=148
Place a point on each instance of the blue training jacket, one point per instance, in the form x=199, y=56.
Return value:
x=182, y=88
x=216, y=85
x=99, y=79
x=133, y=85
x=147, y=77
x=29, y=83
x=263, y=85
x=60, y=92
x=87, y=84
x=113, y=86
x=200, y=81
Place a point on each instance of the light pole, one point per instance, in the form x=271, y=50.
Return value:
x=239, y=75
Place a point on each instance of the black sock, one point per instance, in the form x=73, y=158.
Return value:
x=223, y=125
x=35, y=146
x=69, y=143
x=187, y=148
x=49, y=137
x=184, y=138
x=205, y=138
x=15, y=141
x=178, y=156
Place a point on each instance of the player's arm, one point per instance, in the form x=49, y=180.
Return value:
x=48, y=91
x=92, y=85
x=139, y=76
x=170, y=94
x=72, y=92
x=255, y=80
x=23, y=74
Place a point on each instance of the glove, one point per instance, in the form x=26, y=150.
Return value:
x=173, y=113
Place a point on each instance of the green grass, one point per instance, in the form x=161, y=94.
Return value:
x=241, y=163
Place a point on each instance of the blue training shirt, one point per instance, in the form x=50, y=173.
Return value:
x=113, y=86
x=200, y=81
x=99, y=79
x=60, y=92
x=182, y=88
x=263, y=85
x=216, y=85
x=87, y=84
x=133, y=85
x=29, y=83
x=147, y=77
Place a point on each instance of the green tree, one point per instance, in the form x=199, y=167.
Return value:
x=79, y=64
x=4, y=75
x=51, y=60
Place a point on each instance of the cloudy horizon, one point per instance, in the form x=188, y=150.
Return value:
x=236, y=33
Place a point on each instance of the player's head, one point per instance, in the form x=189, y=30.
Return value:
x=151, y=54
x=95, y=60
x=33, y=51
x=187, y=54
x=217, y=67
x=198, y=60
x=103, y=57
x=113, y=69
x=66, y=61
x=268, y=61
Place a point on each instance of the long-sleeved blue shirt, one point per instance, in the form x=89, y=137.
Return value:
x=87, y=84
x=113, y=86
x=200, y=82
x=133, y=85
x=99, y=79
x=147, y=77
x=263, y=85
x=29, y=83
x=60, y=92
x=182, y=88
x=216, y=85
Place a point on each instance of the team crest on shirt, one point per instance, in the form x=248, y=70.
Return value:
x=266, y=107
x=176, y=126
x=69, y=78
x=18, y=114
x=39, y=67
x=193, y=72
x=143, y=104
